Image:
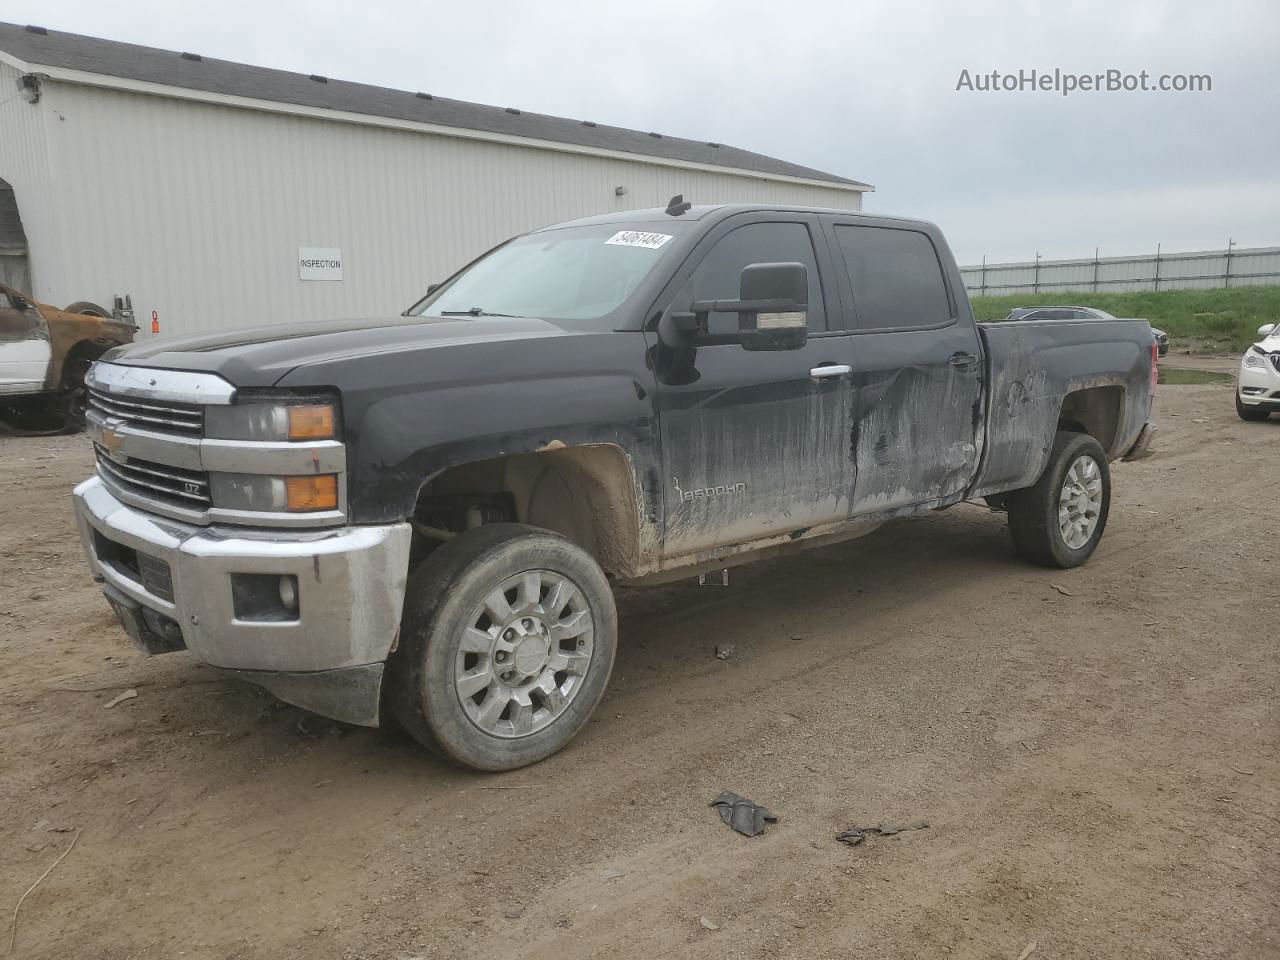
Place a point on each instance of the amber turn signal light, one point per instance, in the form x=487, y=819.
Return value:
x=312, y=492
x=311, y=421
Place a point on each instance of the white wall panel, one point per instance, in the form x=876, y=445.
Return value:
x=198, y=210
x=25, y=162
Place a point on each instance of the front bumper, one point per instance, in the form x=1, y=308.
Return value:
x=1259, y=386
x=350, y=589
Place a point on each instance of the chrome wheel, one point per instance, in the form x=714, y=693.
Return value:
x=525, y=654
x=1080, y=502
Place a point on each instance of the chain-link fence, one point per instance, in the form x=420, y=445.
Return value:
x=1204, y=269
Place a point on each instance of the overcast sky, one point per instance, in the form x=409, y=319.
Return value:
x=866, y=90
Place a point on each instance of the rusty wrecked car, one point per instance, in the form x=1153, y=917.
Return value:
x=44, y=356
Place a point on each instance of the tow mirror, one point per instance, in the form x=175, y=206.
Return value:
x=772, y=309
x=1266, y=329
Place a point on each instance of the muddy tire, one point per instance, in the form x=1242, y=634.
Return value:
x=1250, y=414
x=1059, y=521
x=41, y=416
x=506, y=646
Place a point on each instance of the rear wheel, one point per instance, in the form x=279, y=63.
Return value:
x=506, y=647
x=1252, y=414
x=1059, y=521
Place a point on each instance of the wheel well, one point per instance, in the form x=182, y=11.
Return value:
x=79, y=357
x=1095, y=411
x=584, y=493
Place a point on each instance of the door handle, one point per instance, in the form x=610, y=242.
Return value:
x=962, y=359
x=830, y=370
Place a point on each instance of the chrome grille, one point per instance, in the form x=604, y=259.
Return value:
x=1275, y=361
x=176, y=485
x=161, y=416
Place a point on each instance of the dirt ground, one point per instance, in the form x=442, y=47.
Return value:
x=1095, y=752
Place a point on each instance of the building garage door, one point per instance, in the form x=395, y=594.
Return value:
x=14, y=271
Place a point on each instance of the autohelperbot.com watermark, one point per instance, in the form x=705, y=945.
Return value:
x=1065, y=83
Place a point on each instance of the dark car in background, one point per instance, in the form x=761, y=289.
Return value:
x=1081, y=313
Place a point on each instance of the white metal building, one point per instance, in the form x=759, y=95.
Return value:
x=212, y=191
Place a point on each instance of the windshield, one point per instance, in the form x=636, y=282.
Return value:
x=574, y=273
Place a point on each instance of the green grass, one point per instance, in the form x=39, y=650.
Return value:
x=1202, y=321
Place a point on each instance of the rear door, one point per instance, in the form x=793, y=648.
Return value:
x=24, y=346
x=917, y=366
x=753, y=443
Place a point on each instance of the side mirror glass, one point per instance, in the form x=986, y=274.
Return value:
x=781, y=318
x=772, y=309
x=1266, y=329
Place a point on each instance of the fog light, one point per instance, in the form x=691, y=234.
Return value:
x=264, y=597
x=289, y=593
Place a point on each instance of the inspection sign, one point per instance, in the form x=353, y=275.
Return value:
x=319, y=263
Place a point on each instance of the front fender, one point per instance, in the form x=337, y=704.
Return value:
x=411, y=415
x=404, y=441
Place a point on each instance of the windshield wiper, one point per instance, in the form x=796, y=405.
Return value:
x=475, y=312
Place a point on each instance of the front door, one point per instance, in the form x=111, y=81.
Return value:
x=24, y=347
x=917, y=367
x=754, y=444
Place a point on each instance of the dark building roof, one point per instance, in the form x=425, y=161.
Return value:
x=129, y=61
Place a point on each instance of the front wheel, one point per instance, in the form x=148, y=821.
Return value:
x=41, y=415
x=1059, y=521
x=1251, y=414
x=506, y=648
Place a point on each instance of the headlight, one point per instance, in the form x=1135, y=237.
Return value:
x=251, y=491
x=1252, y=359
x=273, y=419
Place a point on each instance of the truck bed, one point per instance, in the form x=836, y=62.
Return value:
x=1033, y=365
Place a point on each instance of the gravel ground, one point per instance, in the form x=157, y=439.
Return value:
x=1095, y=752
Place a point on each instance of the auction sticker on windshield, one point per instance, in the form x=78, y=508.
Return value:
x=638, y=238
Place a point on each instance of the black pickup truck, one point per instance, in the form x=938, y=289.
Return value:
x=423, y=516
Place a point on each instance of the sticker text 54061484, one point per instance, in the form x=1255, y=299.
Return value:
x=638, y=238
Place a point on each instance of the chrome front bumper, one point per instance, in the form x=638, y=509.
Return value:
x=350, y=585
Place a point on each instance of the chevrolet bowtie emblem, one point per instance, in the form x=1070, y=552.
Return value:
x=111, y=441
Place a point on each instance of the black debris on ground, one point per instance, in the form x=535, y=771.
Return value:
x=742, y=815
x=855, y=835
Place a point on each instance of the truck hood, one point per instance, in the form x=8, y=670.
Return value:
x=261, y=356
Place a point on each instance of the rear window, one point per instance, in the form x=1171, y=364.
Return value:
x=896, y=278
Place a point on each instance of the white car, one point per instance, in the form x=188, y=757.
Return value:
x=1258, y=383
